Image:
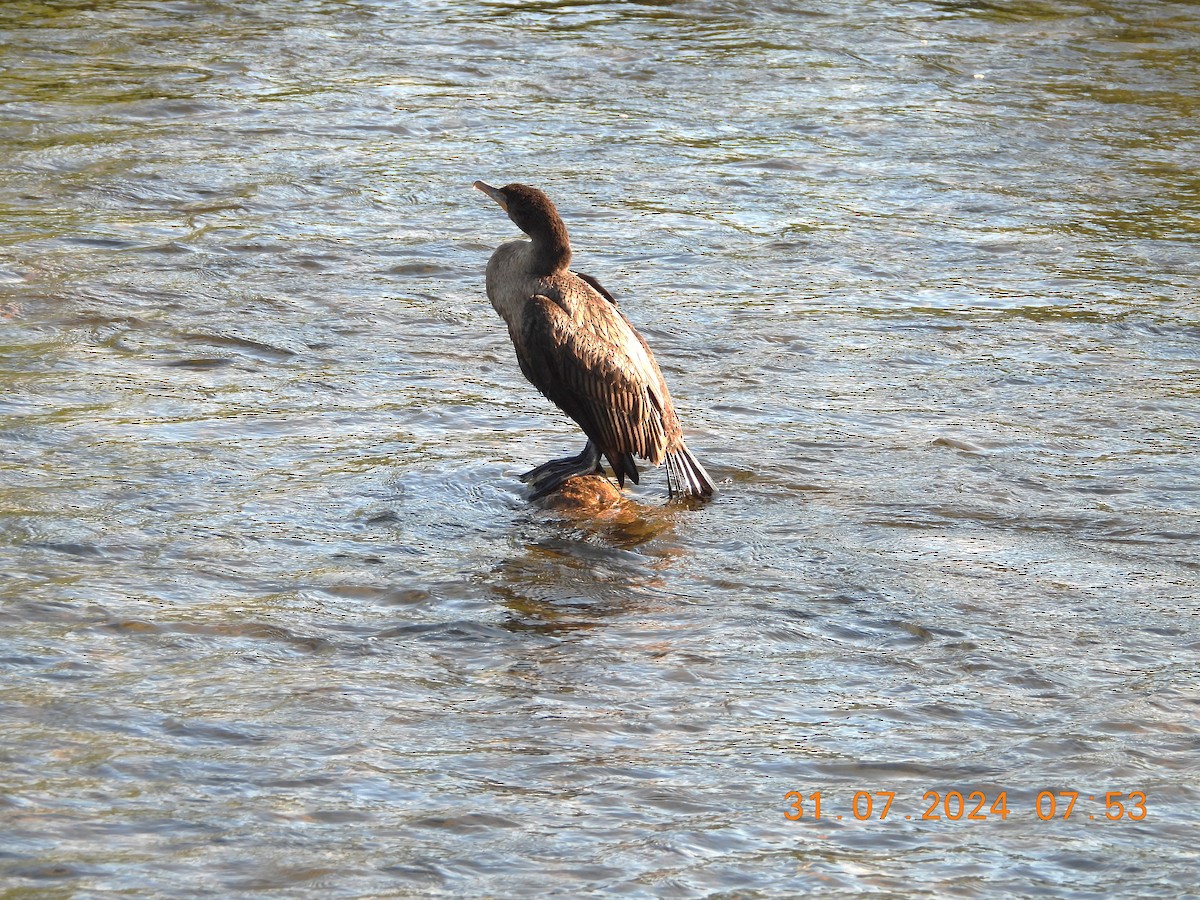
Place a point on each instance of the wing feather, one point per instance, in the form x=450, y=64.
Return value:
x=590, y=362
x=600, y=289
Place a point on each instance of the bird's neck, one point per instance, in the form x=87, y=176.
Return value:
x=551, y=248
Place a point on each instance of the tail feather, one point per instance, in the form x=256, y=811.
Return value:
x=686, y=476
x=624, y=467
x=631, y=469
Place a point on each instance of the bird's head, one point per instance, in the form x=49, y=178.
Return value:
x=530, y=209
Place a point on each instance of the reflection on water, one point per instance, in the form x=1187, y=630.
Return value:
x=597, y=568
x=275, y=612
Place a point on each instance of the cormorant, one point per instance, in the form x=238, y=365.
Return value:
x=575, y=346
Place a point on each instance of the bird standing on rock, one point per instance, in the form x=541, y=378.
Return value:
x=575, y=346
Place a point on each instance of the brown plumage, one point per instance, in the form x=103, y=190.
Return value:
x=575, y=346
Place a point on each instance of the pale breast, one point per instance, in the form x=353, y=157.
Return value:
x=509, y=285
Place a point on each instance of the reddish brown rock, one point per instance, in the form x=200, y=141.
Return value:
x=584, y=494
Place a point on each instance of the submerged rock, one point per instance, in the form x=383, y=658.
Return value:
x=584, y=494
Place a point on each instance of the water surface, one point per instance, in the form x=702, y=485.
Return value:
x=276, y=615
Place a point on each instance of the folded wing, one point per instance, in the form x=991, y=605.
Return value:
x=590, y=362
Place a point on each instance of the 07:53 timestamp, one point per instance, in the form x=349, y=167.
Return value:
x=975, y=806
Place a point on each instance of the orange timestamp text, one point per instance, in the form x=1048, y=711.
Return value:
x=973, y=806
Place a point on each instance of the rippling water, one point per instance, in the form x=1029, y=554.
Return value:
x=923, y=277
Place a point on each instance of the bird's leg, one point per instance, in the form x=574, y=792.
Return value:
x=549, y=477
x=590, y=456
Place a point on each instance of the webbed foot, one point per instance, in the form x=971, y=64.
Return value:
x=549, y=477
